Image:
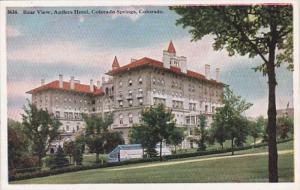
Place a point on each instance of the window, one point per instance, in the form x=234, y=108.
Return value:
x=140, y=80
x=121, y=118
x=71, y=115
x=130, y=102
x=141, y=101
x=57, y=114
x=193, y=122
x=121, y=103
x=140, y=91
x=154, y=90
x=120, y=83
x=66, y=115
x=153, y=80
x=129, y=93
x=187, y=119
x=206, y=108
x=130, y=118
x=67, y=128
x=129, y=82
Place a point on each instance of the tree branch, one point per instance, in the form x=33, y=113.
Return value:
x=240, y=30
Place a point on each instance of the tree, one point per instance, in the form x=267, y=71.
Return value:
x=112, y=140
x=285, y=125
x=41, y=128
x=140, y=134
x=158, y=125
x=69, y=149
x=254, y=30
x=256, y=128
x=18, y=145
x=159, y=122
x=60, y=159
x=203, y=133
x=218, y=132
x=228, y=122
x=98, y=138
x=176, y=137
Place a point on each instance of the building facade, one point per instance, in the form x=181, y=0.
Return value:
x=131, y=88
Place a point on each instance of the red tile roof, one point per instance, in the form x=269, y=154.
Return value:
x=145, y=61
x=171, y=48
x=66, y=86
x=115, y=62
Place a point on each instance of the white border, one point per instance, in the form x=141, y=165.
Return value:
x=3, y=127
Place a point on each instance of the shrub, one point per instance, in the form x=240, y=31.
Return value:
x=71, y=168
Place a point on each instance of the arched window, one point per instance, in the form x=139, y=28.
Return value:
x=129, y=82
x=130, y=118
x=121, y=118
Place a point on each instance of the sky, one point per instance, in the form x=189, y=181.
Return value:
x=84, y=45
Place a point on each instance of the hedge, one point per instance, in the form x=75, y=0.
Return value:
x=22, y=176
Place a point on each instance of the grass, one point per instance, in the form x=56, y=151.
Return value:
x=242, y=169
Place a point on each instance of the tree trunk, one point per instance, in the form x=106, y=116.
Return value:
x=232, y=152
x=160, y=151
x=175, y=149
x=222, y=146
x=272, y=144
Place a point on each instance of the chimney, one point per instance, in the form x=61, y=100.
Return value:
x=61, y=82
x=207, y=71
x=42, y=82
x=98, y=84
x=72, y=83
x=217, y=74
x=103, y=80
x=91, y=85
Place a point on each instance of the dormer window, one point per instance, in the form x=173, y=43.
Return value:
x=130, y=82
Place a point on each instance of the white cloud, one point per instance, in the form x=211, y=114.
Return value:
x=12, y=32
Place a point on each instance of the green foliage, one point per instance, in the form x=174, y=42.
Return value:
x=98, y=138
x=17, y=145
x=228, y=122
x=254, y=30
x=158, y=125
x=176, y=137
x=169, y=157
x=59, y=159
x=41, y=128
x=244, y=30
x=203, y=133
x=285, y=125
x=257, y=127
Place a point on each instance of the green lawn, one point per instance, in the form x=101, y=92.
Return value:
x=240, y=169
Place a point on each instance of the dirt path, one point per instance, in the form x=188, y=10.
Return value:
x=198, y=160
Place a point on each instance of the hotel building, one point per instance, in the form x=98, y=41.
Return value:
x=129, y=89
